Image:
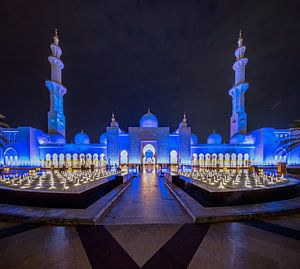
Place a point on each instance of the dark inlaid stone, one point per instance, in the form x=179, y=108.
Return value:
x=103, y=250
x=274, y=228
x=18, y=229
x=180, y=249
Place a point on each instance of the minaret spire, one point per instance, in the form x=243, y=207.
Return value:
x=183, y=123
x=56, y=117
x=240, y=39
x=55, y=37
x=113, y=116
x=113, y=123
x=238, y=120
x=184, y=118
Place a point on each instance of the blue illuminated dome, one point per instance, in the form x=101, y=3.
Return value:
x=194, y=139
x=238, y=139
x=214, y=138
x=81, y=138
x=103, y=139
x=249, y=139
x=58, y=139
x=44, y=139
x=148, y=120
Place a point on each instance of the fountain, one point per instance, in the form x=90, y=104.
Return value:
x=52, y=187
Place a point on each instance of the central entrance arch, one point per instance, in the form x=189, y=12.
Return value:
x=149, y=154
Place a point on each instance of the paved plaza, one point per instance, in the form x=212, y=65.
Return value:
x=147, y=228
x=270, y=243
x=147, y=200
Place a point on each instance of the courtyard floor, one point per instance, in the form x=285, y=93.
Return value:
x=147, y=228
x=147, y=200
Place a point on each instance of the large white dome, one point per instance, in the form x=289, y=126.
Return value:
x=148, y=120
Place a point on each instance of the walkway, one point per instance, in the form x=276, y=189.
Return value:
x=147, y=200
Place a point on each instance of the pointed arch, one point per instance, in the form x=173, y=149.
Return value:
x=173, y=157
x=207, y=160
x=124, y=157
x=195, y=159
x=214, y=160
x=240, y=160
x=221, y=159
x=201, y=160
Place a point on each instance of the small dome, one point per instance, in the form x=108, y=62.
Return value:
x=214, y=138
x=58, y=139
x=238, y=139
x=194, y=139
x=148, y=120
x=249, y=139
x=81, y=138
x=44, y=139
x=103, y=139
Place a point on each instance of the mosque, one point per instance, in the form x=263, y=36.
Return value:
x=148, y=143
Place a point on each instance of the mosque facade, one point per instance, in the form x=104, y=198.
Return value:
x=148, y=143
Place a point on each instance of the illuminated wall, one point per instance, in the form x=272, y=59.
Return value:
x=28, y=146
x=23, y=141
x=152, y=135
x=184, y=145
x=112, y=144
x=270, y=149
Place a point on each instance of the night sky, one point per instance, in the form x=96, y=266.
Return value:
x=171, y=56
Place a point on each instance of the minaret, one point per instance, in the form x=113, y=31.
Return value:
x=56, y=117
x=112, y=134
x=238, y=120
x=184, y=145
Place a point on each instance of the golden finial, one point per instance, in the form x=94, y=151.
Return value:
x=56, y=37
x=240, y=39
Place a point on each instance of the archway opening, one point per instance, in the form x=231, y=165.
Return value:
x=149, y=157
x=124, y=157
x=280, y=156
x=173, y=157
x=10, y=157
